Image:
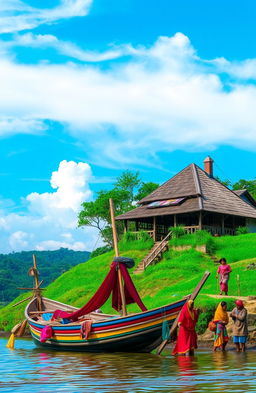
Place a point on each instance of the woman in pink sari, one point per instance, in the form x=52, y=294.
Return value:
x=223, y=270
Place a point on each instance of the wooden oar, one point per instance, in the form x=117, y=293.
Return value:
x=175, y=323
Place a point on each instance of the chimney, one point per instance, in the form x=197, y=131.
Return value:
x=208, y=166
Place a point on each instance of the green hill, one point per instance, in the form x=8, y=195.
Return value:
x=175, y=276
x=14, y=268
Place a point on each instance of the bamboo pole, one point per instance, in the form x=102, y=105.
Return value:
x=238, y=284
x=21, y=301
x=37, y=285
x=111, y=204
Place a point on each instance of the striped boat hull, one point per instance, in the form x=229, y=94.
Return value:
x=140, y=332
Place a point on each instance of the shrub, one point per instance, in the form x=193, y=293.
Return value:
x=211, y=246
x=177, y=232
x=100, y=251
x=242, y=231
x=134, y=236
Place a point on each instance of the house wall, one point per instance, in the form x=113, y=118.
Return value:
x=251, y=225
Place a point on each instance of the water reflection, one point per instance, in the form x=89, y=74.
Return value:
x=28, y=368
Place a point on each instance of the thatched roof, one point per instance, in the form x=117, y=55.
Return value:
x=202, y=193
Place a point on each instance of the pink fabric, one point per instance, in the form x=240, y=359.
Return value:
x=46, y=333
x=223, y=271
x=86, y=328
x=110, y=284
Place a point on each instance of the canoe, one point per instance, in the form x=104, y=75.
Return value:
x=140, y=332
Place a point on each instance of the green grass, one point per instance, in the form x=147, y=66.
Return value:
x=236, y=248
x=175, y=276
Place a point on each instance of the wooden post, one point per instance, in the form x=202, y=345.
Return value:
x=136, y=226
x=200, y=220
x=174, y=220
x=223, y=225
x=154, y=229
x=125, y=226
x=238, y=285
x=124, y=311
x=37, y=285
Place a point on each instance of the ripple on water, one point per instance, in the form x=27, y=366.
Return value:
x=28, y=368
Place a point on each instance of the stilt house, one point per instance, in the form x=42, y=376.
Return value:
x=195, y=199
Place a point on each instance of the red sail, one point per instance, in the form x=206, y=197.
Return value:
x=110, y=284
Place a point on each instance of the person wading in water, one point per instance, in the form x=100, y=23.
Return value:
x=240, y=328
x=187, y=337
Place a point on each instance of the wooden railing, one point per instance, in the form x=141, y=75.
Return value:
x=192, y=229
x=218, y=230
x=137, y=233
x=156, y=251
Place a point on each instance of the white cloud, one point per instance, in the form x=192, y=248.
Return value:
x=163, y=98
x=65, y=48
x=50, y=221
x=10, y=126
x=16, y=15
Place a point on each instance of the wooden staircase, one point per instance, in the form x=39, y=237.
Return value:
x=154, y=256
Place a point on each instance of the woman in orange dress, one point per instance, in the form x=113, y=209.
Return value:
x=187, y=337
x=221, y=320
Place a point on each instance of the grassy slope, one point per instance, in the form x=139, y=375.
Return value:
x=176, y=275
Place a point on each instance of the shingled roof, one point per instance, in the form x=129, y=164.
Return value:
x=201, y=192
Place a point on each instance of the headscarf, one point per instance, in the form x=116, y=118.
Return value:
x=239, y=303
x=191, y=312
x=220, y=314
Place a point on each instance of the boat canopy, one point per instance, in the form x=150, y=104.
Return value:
x=109, y=285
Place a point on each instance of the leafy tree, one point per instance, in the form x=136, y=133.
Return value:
x=145, y=189
x=225, y=182
x=99, y=251
x=128, y=181
x=250, y=186
x=96, y=214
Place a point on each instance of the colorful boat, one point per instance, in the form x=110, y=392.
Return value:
x=141, y=332
x=59, y=326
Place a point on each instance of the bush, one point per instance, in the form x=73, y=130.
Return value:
x=100, y=251
x=139, y=241
x=211, y=246
x=242, y=231
x=135, y=236
x=177, y=232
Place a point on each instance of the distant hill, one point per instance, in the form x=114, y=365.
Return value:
x=51, y=264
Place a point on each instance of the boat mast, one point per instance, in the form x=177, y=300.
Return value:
x=111, y=204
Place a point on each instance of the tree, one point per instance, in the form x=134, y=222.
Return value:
x=145, y=189
x=249, y=185
x=97, y=214
x=128, y=181
x=225, y=182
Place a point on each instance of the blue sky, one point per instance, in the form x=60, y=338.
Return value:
x=90, y=88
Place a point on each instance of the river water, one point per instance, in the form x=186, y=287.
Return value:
x=27, y=368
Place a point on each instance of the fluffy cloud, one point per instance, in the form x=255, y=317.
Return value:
x=51, y=218
x=163, y=98
x=16, y=15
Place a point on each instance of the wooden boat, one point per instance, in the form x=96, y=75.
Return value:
x=97, y=332
x=141, y=332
